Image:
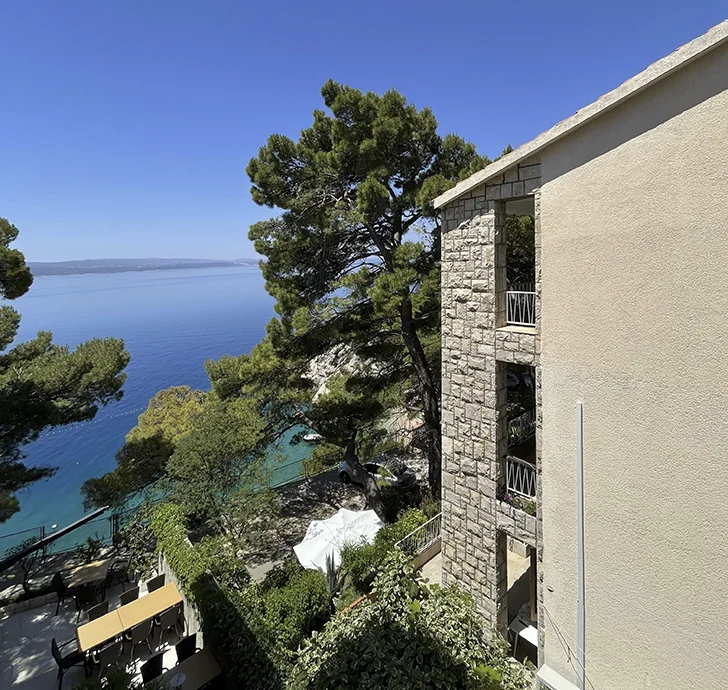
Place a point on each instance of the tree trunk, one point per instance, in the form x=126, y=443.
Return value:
x=371, y=491
x=26, y=584
x=428, y=395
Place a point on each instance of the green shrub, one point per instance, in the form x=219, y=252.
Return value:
x=137, y=539
x=389, y=535
x=299, y=604
x=225, y=563
x=361, y=561
x=430, y=506
x=396, y=501
x=112, y=678
x=90, y=550
x=280, y=575
x=412, y=637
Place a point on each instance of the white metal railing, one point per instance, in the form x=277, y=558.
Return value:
x=422, y=537
x=522, y=427
x=520, y=477
x=521, y=308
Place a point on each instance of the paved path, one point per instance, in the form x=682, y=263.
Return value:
x=432, y=570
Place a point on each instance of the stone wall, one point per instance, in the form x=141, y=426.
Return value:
x=476, y=347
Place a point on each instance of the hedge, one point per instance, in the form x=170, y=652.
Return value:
x=230, y=611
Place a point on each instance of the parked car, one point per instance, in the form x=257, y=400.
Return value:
x=389, y=472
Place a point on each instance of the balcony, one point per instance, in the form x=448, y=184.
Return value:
x=521, y=428
x=520, y=308
x=520, y=477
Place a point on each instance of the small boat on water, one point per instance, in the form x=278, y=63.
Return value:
x=313, y=438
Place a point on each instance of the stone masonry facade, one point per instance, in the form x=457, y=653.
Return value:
x=477, y=346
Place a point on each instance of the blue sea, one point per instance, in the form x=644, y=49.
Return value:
x=171, y=321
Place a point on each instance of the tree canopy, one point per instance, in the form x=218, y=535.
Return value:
x=353, y=256
x=282, y=389
x=42, y=384
x=218, y=470
x=142, y=460
x=206, y=454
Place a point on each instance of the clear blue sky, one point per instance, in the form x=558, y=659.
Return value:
x=125, y=127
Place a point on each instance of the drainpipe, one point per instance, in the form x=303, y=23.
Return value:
x=580, y=614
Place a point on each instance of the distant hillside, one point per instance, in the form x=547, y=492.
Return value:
x=59, y=268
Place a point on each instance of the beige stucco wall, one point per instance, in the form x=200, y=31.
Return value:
x=634, y=219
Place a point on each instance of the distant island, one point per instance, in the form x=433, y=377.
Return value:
x=59, y=268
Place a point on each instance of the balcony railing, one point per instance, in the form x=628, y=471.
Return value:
x=520, y=308
x=521, y=428
x=422, y=537
x=520, y=477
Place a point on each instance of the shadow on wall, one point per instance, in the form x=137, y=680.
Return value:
x=693, y=84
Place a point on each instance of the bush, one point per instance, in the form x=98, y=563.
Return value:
x=111, y=679
x=395, y=501
x=231, y=610
x=138, y=540
x=412, y=637
x=431, y=506
x=296, y=602
x=361, y=561
x=91, y=550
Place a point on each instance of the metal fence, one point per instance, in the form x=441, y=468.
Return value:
x=10, y=541
x=521, y=308
x=521, y=428
x=520, y=477
x=421, y=538
x=106, y=528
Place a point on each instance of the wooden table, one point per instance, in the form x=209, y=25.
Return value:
x=199, y=669
x=95, y=633
x=87, y=574
x=148, y=606
x=109, y=626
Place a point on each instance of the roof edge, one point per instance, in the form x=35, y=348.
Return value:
x=652, y=74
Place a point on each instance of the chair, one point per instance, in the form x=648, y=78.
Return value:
x=85, y=598
x=155, y=583
x=127, y=597
x=59, y=586
x=99, y=610
x=186, y=647
x=172, y=618
x=118, y=573
x=139, y=634
x=107, y=656
x=74, y=658
x=152, y=668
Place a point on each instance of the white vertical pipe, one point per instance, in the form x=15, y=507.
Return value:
x=580, y=614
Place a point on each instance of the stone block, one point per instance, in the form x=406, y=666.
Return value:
x=531, y=185
x=529, y=172
x=506, y=190
x=511, y=175
x=492, y=192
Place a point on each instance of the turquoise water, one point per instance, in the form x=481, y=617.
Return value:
x=171, y=322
